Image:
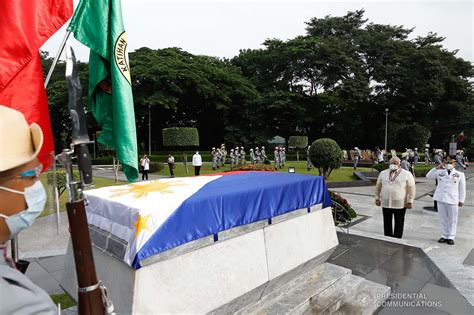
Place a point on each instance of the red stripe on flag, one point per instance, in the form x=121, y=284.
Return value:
x=26, y=94
x=24, y=27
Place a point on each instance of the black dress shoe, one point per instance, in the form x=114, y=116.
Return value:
x=442, y=240
x=450, y=242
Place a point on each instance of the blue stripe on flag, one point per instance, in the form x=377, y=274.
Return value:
x=232, y=201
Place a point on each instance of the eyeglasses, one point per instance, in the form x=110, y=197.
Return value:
x=34, y=172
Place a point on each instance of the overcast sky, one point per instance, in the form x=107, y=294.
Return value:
x=222, y=27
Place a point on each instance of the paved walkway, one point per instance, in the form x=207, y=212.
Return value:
x=422, y=230
x=107, y=171
x=418, y=285
x=47, y=244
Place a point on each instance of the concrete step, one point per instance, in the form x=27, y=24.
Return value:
x=297, y=299
x=366, y=298
x=331, y=299
x=335, y=291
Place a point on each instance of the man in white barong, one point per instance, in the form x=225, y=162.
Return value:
x=395, y=191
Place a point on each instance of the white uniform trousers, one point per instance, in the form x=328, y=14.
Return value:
x=448, y=219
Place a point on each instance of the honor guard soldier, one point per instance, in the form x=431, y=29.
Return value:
x=460, y=166
x=238, y=158
x=357, y=157
x=276, y=155
x=224, y=154
x=416, y=156
x=438, y=158
x=264, y=155
x=214, y=158
x=411, y=155
x=258, y=155
x=242, y=155
x=232, y=159
x=404, y=164
x=253, y=159
x=219, y=157
x=308, y=160
x=280, y=154
x=427, y=156
x=450, y=195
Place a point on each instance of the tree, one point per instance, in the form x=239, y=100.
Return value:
x=298, y=142
x=326, y=155
x=334, y=80
x=181, y=137
x=412, y=136
x=338, y=78
x=188, y=90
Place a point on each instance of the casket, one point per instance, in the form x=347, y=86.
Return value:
x=206, y=243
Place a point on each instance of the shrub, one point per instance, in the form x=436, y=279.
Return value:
x=380, y=166
x=103, y=160
x=420, y=169
x=60, y=179
x=155, y=167
x=181, y=137
x=325, y=154
x=298, y=142
x=254, y=167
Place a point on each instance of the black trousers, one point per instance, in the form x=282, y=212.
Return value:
x=145, y=175
x=388, y=214
x=197, y=170
x=171, y=165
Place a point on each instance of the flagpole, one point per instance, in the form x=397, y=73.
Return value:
x=63, y=43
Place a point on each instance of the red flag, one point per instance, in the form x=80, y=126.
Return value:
x=461, y=137
x=24, y=27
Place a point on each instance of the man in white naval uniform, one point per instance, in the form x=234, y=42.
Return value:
x=450, y=194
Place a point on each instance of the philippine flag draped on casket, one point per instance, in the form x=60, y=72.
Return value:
x=155, y=216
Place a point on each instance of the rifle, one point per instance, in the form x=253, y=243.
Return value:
x=92, y=294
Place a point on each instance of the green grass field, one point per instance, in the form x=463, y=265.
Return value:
x=65, y=300
x=50, y=207
x=340, y=175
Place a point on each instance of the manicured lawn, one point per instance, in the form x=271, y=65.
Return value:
x=50, y=207
x=339, y=175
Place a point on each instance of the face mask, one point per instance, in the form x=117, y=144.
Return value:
x=35, y=197
x=393, y=167
x=449, y=166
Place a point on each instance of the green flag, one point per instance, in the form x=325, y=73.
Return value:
x=99, y=25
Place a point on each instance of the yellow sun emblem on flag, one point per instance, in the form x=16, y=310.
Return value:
x=141, y=224
x=141, y=190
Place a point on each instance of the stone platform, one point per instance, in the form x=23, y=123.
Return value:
x=256, y=268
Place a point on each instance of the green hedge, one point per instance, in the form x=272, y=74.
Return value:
x=420, y=169
x=180, y=137
x=103, y=160
x=155, y=166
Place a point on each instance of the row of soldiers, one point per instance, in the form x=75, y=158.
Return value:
x=238, y=156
